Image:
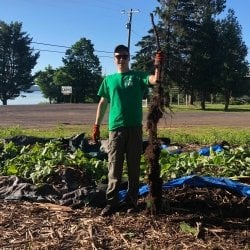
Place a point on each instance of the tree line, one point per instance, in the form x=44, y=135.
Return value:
x=205, y=55
x=81, y=71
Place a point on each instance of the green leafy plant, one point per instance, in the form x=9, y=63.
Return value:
x=227, y=163
x=37, y=162
x=186, y=228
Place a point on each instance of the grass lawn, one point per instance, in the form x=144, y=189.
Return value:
x=211, y=107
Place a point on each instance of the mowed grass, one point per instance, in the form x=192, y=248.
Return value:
x=189, y=135
x=207, y=136
x=211, y=107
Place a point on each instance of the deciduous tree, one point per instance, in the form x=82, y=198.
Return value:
x=84, y=68
x=45, y=80
x=17, y=59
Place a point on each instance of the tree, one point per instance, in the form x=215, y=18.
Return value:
x=84, y=68
x=62, y=78
x=143, y=58
x=45, y=80
x=179, y=25
x=234, y=66
x=205, y=60
x=81, y=71
x=16, y=61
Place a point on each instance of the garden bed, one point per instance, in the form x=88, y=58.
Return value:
x=191, y=217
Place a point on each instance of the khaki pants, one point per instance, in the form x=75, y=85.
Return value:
x=124, y=143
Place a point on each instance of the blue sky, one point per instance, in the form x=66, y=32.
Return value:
x=64, y=22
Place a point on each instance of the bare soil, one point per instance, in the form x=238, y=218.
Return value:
x=192, y=218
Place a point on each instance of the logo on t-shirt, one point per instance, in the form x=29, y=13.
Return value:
x=128, y=82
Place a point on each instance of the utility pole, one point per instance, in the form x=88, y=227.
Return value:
x=129, y=24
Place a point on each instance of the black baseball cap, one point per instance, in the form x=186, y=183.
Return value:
x=121, y=48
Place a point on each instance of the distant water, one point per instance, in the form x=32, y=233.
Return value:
x=26, y=98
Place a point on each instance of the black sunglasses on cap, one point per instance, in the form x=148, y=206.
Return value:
x=119, y=57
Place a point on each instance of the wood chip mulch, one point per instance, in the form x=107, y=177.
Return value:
x=191, y=218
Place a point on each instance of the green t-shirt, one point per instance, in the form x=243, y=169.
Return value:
x=124, y=92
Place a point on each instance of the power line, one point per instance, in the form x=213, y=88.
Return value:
x=54, y=51
x=67, y=47
x=53, y=45
x=62, y=52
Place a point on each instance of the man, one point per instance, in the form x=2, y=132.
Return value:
x=123, y=91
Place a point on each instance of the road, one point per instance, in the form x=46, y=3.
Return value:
x=51, y=115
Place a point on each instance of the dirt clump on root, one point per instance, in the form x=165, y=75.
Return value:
x=192, y=218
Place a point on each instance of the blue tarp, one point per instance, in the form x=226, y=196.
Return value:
x=206, y=150
x=200, y=181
